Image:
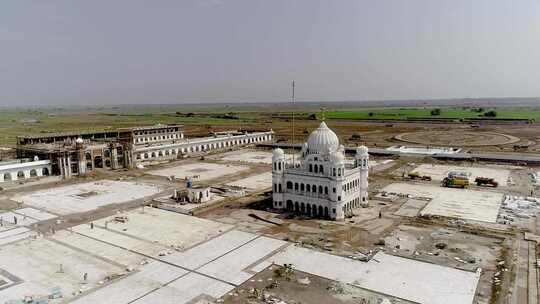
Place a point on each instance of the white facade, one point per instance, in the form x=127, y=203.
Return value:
x=319, y=184
x=170, y=150
x=18, y=170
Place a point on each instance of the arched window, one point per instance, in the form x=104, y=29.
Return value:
x=279, y=188
x=275, y=166
x=321, y=169
x=316, y=169
x=320, y=190
x=296, y=186
x=325, y=190
x=302, y=187
x=308, y=188
x=334, y=171
x=310, y=168
x=279, y=166
x=339, y=171
x=289, y=185
x=314, y=189
x=275, y=187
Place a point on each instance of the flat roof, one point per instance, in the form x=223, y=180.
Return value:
x=88, y=132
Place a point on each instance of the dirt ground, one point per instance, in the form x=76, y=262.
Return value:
x=300, y=287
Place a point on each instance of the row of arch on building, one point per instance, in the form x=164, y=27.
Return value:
x=24, y=174
x=312, y=210
x=353, y=204
x=351, y=185
x=200, y=147
x=308, y=188
x=147, y=139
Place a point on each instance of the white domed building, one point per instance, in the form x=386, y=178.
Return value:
x=321, y=183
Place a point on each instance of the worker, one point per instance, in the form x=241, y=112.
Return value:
x=380, y=214
x=15, y=220
x=85, y=276
x=92, y=225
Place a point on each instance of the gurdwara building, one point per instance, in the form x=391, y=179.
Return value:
x=320, y=182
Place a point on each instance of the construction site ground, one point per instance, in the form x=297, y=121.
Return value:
x=68, y=228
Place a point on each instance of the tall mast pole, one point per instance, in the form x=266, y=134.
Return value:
x=292, y=114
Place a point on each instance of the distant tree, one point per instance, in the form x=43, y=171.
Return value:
x=312, y=116
x=490, y=114
x=370, y=114
x=356, y=136
x=435, y=112
x=190, y=114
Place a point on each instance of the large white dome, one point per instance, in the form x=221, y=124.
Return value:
x=322, y=140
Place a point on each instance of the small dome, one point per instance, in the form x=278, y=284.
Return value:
x=322, y=140
x=362, y=150
x=278, y=153
x=337, y=157
x=79, y=140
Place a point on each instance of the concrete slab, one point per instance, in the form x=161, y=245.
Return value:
x=233, y=267
x=120, y=240
x=250, y=156
x=42, y=265
x=205, y=171
x=165, y=228
x=187, y=289
x=206, y=252
x=87, y=196
x=153, y=276
x=14, y=234
x=455, y=203
x=439, y=172
x=424, y=150
x=411, y=208
x=35, y=214
x=255, y=182
x=408, y=279
x=100, y=249
x=22, y=220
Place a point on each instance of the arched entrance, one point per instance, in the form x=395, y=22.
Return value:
x=33, y=173
x=290, y=206
x=7, y=176
x=98, y=162
x=45, y=171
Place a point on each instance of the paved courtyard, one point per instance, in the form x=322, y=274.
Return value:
x=86, y=197
x=164, y=257
x=205, y=171
x=456, y=203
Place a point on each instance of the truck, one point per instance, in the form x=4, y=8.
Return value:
x=455, y=182
x=415, y=175
x=486, y=181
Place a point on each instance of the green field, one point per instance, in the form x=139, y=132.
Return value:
x=203, y=118
x=425, y=113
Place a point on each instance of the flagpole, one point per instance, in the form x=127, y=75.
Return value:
x=292, y=114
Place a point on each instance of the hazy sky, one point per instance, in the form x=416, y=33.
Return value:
x=134, y=51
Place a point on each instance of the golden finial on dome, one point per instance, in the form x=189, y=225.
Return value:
x=323, y=113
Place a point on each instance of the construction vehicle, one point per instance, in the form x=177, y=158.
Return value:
x=486, y=181
x=415, y=175
x=455, y=181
